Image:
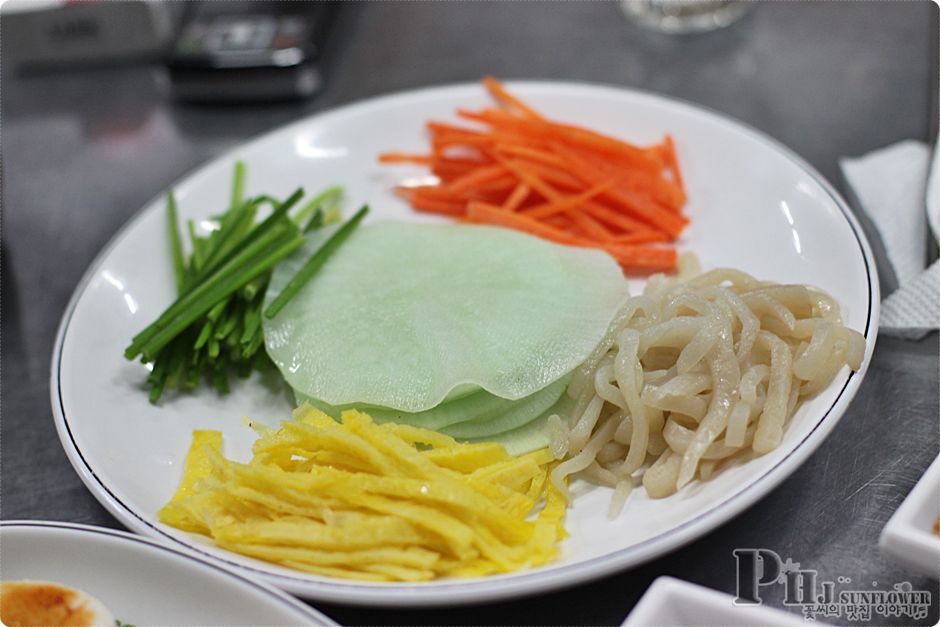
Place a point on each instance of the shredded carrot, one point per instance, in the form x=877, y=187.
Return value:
x=433, y=205
x=517, y=169
x=673, y=162
x=490, y=214
x=605, y=214
x=517, y=197
x=639, y=206
x=404, y=157
x=643, y=259
x=530, y=178
x=557, y=177
x=449, y=168
x=499, y=92
x=477, y=177
x=560, y=205
x=633, y=259
x=440, y=128
x=662, y=190
x=640, y=237
x=590, y=227
x=540, y=156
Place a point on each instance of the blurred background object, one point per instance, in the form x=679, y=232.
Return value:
x=684, y=16
x=245, y=51
x=55, y=34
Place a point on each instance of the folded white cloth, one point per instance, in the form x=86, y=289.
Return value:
x=913, y=310
x=891, y=186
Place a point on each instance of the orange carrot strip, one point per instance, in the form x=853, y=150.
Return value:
x=432, y=205
x=464, y=162
x=442, y=128
x=561, y=222
x=550, y=175
x=596, y=210
x=640, y=237
x=641, y=207
x=476, y=177
x=492, y=117
x=543, y=179
x=499, y=92
x=448, y=173
x=430, y=192
x=504, y=123
x=667, y=194
x=658, y=188
x=510, y=137
x=503, y=184
x=566, y=203
x=613, y=217
x=631, y=258
x=491, y=214
x=530, y=178
x=515, y=199
x=651, y=212
x=648, y=158
x=471, y=141
x=640, y=157
x=424, y=191
x=540, y=156
x=554, y=176
x=404, y=157
x=503, y=119
x=452, y=166
x=471, y=162
x=495, y=190
x=673, y=161
x=444, y=137
x=590, y=227
x=643, y=259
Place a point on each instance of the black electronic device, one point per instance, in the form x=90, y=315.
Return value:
x=249, y=51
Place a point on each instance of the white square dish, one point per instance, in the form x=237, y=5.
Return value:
x=908, y=536
x=670, y=601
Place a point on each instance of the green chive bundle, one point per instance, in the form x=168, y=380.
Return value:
x=214, y=326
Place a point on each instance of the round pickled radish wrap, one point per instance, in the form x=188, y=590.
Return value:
x=405, y=315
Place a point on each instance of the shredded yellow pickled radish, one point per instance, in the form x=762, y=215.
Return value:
x=358, y=500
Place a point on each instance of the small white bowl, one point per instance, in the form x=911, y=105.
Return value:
x=144, y=582
x=908, y=537
x=678, y=603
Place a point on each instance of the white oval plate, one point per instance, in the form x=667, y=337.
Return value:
x=143, y=582
x=754, y=205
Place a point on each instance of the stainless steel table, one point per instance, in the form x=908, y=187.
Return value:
x=82, y=151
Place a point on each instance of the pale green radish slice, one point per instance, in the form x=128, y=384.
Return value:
x=403, y=314
x=533, y=435
x=489, y=414
x=513, y=417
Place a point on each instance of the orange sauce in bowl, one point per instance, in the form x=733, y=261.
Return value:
x=43, y=603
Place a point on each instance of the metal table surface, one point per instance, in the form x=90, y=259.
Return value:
x=83, y=150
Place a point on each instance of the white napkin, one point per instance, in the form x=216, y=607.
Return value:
x=891, y=186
